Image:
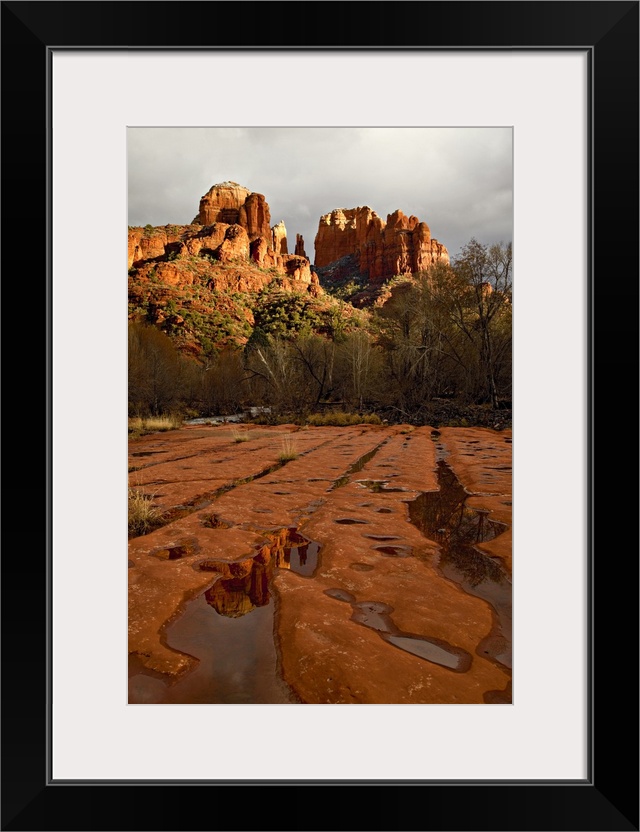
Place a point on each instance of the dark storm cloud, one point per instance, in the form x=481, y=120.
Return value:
x=457, y=180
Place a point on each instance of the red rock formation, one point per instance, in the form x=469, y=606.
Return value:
x=229, y=249
x=300, y=246
x=232, y=204
x=261, y=253
x=222, y=203
x=297, y=268
x=254, y=215
x=235, y=245
x=279, y=238
x=149, y=242
x=221, y=242
x=402, y=245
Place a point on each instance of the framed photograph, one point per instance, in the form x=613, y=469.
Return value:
x=562, y=80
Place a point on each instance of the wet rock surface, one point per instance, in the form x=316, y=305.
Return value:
x=330, y=578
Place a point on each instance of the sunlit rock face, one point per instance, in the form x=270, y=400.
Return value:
x=232, y=204
x=231, y=228
x=402, y=245
x=148, y=243
x=297, y=268
x=279, y=238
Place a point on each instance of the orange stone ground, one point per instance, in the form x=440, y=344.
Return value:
x=233, y=511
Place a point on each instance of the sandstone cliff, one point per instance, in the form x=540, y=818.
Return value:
x=198, y=281
x=402, y=245
x=279, y=238
x=231, y=204
x=232, y=226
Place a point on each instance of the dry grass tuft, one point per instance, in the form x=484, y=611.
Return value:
x=140, y=426
x=289, y=449
x=340, y=419
x=143, y=515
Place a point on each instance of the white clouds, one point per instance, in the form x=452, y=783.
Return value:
x=458, y=180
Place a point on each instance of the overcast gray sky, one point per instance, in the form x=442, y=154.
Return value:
x=457, y=180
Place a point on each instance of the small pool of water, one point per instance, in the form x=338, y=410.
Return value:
x=230, y=629
x=444, y=517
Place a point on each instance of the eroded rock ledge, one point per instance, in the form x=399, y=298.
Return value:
x=231, y=226
x=402, y=245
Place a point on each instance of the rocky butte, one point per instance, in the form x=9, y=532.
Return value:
x=232, y=226
x=378, y=250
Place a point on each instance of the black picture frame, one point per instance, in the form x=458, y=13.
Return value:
x=608, y=798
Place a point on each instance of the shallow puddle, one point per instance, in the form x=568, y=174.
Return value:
x=296, y=553
x=373, y=614
x=394, y=551
x=237, y=660
x=357, y=466
x=377, y=616
x=230, y=629
x=340, y=595
x=443, y=516
x=427, y=650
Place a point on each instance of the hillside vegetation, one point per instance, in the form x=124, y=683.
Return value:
x=209, y=337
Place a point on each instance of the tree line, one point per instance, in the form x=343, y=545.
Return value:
x=443, y=334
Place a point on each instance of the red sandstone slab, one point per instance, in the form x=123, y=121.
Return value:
x=369, y=548
x=481, y=459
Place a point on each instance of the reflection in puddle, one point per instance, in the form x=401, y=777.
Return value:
x=444, y=517
x=230, y=629
x=290, y=550
x=234, y=597
x=245, y=584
